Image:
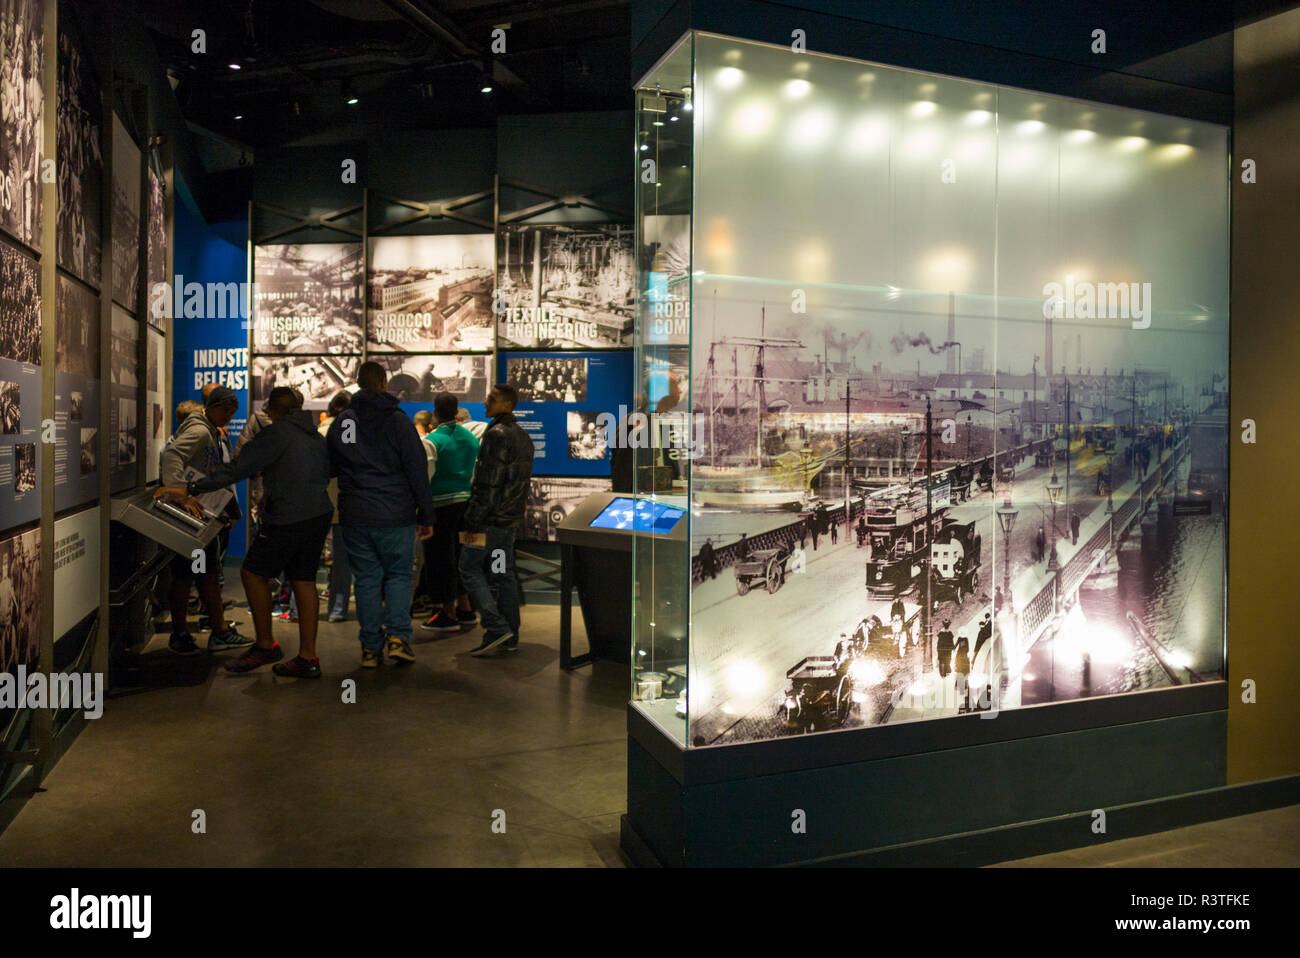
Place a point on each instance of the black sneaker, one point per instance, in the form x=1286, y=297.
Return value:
x=467, y=620
x=491, y=642
x=255, y=658
x=182, y=643
x=440, y=622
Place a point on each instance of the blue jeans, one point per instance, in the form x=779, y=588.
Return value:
x=340, y=575
x=380, y=560
x=491, y=582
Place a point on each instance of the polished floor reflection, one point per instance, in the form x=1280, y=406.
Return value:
x=413, y=774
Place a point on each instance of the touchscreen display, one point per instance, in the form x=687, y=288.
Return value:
x=641, y=515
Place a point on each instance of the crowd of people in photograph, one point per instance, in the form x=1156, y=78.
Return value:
x=420, y=516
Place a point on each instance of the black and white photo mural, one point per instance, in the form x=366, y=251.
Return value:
x=22, y=32
x=307, y=298
x=81, y=164
x=157, y=236
x=20, y=599
x=564, y=287
x=419, y=379
x=124, y=389
x=76, y=395
x=126, y=217
x=431, y=293
x=20, y=386
x=963, y=443
x=318, y=378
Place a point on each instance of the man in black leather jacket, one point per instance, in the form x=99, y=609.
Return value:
x=497, y=500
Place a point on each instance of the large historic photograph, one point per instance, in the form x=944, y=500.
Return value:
x=431, y=293
x=421, y=378
x=23, y=95
x=20, y=599
x=20, y=306
x=318, y=378
x=307, y=298
x=81, y=163
x=126, y=217
x=157, y=242
x=564, y=287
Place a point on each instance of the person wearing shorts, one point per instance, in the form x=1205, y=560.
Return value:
x=292, y=460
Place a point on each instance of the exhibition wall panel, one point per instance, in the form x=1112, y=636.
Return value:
x=214, y=347
x=126, y=217
x=571, y=405
x=81, y=166
x=431, y=294
x=76, y=396
x=20, y=386
x=22, y=131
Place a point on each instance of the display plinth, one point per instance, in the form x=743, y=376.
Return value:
x=862, y=792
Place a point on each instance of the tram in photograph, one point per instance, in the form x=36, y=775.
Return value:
x=898, y=539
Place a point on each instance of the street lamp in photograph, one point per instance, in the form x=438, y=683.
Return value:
x=1007, y=520
x=1007, y=630
x=1054, y=493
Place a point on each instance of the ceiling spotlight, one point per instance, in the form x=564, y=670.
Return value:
x=674, y=119
x=353, y=101
x=239, y=116
x=235, y=66
x=486, y=88
x=645, y=146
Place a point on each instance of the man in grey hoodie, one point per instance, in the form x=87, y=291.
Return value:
x=291, y=458
x=197, y=445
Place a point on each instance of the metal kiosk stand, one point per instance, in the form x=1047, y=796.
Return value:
x=139, y=528
x=598, y=559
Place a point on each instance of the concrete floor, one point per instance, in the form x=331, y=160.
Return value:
x=413, y=773
x=1268, y=839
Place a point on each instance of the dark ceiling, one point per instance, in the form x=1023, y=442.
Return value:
x=410, y=64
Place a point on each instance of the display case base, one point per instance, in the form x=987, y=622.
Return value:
x=970, y=805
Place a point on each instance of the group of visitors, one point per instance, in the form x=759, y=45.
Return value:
x=384, y=489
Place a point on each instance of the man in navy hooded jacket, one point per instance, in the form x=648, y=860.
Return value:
x=384, y=501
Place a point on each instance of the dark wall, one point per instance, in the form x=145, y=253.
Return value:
x=1162, y=55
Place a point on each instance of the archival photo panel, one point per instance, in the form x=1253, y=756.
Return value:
x=81, y=163
x=155, y=428
x=21, y=137
x=124, y=387
x=564, y=287
x=126, y=217
x=419, y=379
x=307, y=298
x=20, y=386
x=550, y=500
x=431, y=294
x=76, y=396
x=318, y=378
x=20, y=599
x=157, y=236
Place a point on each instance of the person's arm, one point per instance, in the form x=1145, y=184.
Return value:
x=264, y=449
x=174, y=456
x=489, y=473
x=332, y=440
x=248, y=433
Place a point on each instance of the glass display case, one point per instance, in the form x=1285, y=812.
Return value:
x=939, y=369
